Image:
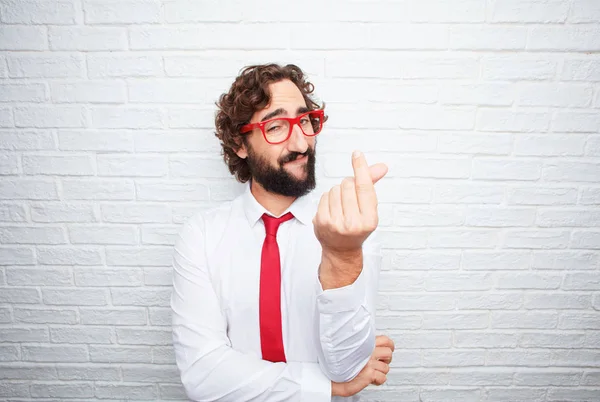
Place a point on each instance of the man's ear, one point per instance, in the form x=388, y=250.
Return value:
x=241, y=150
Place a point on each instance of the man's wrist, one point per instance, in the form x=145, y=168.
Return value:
x=338, y=389
x=339, y=269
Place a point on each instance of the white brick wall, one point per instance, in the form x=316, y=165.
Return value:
x=487, y=112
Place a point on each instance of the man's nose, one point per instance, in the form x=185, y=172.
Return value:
x=297, y=140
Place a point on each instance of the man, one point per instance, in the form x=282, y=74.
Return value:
x=274, y=295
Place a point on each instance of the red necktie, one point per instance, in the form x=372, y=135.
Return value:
x=271, y=337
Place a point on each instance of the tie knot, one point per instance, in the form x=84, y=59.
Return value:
x=272, y=223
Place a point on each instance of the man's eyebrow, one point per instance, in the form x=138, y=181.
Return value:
x=302, y=109
x=274, y=113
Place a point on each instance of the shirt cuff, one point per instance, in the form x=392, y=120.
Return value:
x=347, y=298
x=315, y=385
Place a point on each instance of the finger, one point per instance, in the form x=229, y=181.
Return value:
x=365, y=192
x=381, y=367
x=323, y=209
x=377, y=171
x=383, y=340
x=335, y=204
x=379, y=378
x=383, y=353
x=349, y=202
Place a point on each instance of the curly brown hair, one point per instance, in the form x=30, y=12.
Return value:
x=248, y=94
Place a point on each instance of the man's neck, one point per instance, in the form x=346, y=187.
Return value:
x=276, y=204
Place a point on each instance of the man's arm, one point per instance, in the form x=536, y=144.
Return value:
x=210, y=369
x=349, y=271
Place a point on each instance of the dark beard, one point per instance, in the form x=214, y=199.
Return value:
x=278, y=180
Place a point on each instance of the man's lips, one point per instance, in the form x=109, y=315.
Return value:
x=299, y=160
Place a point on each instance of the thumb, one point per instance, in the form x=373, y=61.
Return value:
x=377, y=171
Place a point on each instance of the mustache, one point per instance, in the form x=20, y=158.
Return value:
x=292, y=156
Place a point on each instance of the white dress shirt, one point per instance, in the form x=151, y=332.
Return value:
x=327, y=335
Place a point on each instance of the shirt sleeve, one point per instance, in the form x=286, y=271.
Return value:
x=210, y=369
x=346, y=319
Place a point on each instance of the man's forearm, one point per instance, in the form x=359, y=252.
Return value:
x=339, y=269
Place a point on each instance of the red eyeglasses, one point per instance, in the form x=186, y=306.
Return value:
x=279, y=129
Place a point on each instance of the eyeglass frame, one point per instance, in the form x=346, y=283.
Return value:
x=291, y=120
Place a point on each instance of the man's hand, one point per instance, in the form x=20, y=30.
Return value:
x=347, y=214
x=375, y=372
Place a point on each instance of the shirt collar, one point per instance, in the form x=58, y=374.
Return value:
x=300, y=208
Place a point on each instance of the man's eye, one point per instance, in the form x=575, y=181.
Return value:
x=304, y=120
x=273, y=128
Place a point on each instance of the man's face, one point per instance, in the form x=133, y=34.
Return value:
x=287, y=168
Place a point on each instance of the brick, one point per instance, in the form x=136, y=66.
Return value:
x=515, y=394
x=527, y=281
x=518, y=319
x=581, y=70
x=87, y=38
x=172, y=191
x=135, y=166
x=169, y=392
x=49, y=116
x=163, y=355
x=536, y=239
x=24, y=140
x=98, y=189
x=54, y=353
x=69, y=256
x=22, y=93
x=141, y=297
x=578, y=122
x=38, y=12
x=200, y=66
x=481, y=376
x=120, y=354
x=9, y=353
x=437, y=301
x=122, y=12
x=95, y=140
x=113, y=234
x=31, y=235
x=505, y=120
x=463, y=37
x=485, y=339
x=546, y=378
x=151, y=337
x=455, y=321
x=404, y=240
x=74, y=297
x=158, y=276
x=589, y=195
x=5, y=315
x=420, y=261
x=159, y=235
x=561, y=95
x=129, y=391
x=70, y=212
x=160, y=316
x=14, y=390
x=586, y=240
x=47, y=276
x=491, y=94
x=499, y=217
x=567, y=218
x=210, y=36
x=24, y=371
x=556, y=301
x=81, y=335
x=593, y=146
x=492, y=260
x=413, y=377
x=135, y=213
x=6, y=118
x=54, y=65
x=397, y=36
x=578, y=320
x=123, y=316
x=28, y=189
x=190, y=117
x=9, y=164
x=123, y=64
x=20, y=37
x=441, y=11
x=174, y=141
x=513, y=68
x=551, y=340
x=522, y=357
x=88, y=373
x=463, y=238
x=542, y=195
x=591, y=378
x=567, y=38
x=398, y=321
x=490, y=301
x=395, y=281
x=126, y=117
x=151, y=374
x=406, y=216
x=174, y=91
x=62, y=390
x=583, y=11
x=546, y=11
x=570, y=171
x=571, y=394
x=88, y=92
x=16, y=256
x=456, y=193
x=58, y=165
x=45, y=316
x=442, y=281
x=445, y=358
x=100, y=276
x=15, y=334
x=192, y=166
